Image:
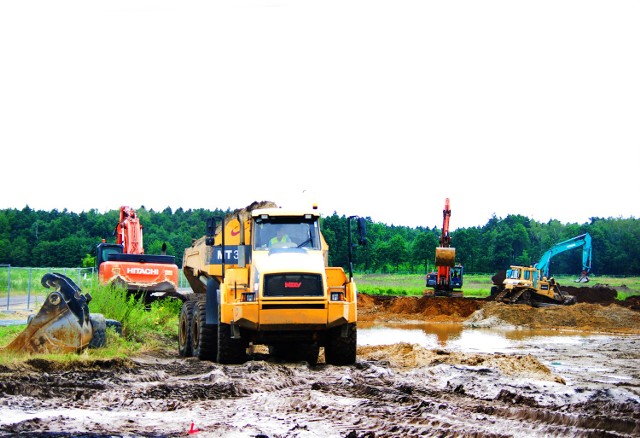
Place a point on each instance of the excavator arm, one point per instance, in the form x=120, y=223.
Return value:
x=583, y=241
x=129, y=231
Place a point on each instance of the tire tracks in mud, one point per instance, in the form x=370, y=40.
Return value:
x=160, y=397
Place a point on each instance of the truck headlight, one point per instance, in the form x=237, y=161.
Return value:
x=337, y=296
x=248, y=297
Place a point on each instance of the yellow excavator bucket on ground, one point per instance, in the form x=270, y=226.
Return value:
x=63, y=323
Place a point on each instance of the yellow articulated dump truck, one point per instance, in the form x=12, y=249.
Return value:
x=260, y=276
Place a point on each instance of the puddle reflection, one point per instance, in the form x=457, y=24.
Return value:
x=455, y=336
x=429, y=335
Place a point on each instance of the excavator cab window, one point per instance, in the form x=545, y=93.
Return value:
x=106, y=250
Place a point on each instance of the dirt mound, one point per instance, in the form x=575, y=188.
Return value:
x=581, y=316
x=632, y=302
x=599, y=293
x=381, y=307
x=411, y=356
x=605, y=316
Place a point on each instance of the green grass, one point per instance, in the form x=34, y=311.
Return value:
x=476, y=285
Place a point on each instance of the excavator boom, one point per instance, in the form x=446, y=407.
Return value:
x=448, y=275
x=583, y=240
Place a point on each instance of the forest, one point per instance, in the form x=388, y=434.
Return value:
x=30, y=238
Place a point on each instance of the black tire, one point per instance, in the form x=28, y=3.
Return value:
x=116, y=325
x=203, y=336
x=341, y=350
x=99, y=326
x=184, y=328
x=230, y=351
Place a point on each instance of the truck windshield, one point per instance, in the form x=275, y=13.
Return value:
x=286, y=233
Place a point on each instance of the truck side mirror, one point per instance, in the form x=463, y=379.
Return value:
x=210, y=230
x=362, y=231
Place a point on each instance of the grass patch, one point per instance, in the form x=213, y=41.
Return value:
x=477, y=285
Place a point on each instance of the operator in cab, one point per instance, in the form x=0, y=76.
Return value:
x=280, y=237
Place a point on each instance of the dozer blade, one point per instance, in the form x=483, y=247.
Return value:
x=62, y=325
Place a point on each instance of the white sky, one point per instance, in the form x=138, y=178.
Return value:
x=369, y=108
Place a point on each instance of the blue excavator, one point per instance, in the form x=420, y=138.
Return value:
x=533, y=285
x=584, y=241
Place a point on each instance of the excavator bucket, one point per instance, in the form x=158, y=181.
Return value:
x=445, y=256
x=63, y=323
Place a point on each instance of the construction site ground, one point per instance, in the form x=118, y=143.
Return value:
x=554, y=371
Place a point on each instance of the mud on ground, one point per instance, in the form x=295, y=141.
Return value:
x=399, y=390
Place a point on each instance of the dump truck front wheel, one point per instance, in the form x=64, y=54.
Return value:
x=340, y=349
x=230, y=350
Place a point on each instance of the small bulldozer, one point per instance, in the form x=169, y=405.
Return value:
x=63, y=324
x=527, y=285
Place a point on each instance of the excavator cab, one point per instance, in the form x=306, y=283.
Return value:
x=457, y=273
x=105, y=250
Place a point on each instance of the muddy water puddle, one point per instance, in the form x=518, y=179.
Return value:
x=457, y=337
x=585, y=358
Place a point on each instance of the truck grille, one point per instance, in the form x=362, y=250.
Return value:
x=293, y=285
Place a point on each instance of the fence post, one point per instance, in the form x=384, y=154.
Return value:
x=29, y=289
x=8, y=284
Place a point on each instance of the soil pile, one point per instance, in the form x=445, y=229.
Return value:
x=380, y=307
x=582, y=316
x=599, y=293
x=606, y=316
x=411, y=356
x=632, y=302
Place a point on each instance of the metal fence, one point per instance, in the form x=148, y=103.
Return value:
x=20, y=288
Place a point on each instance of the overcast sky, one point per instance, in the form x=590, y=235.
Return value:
x=371, y=108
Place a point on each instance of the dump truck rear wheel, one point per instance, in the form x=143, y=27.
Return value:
x=341, y=350
x=203, y=336
x=99, y=326
x=230, y=351
x=184, y=328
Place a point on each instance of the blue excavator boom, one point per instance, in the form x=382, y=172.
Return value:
x=584, y=241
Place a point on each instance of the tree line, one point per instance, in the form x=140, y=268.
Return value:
x=30, y=238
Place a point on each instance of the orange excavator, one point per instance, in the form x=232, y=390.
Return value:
x=449, y=274
x=125, y=263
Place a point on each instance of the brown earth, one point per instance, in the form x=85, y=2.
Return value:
x=585, y=383
x=605, y=316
